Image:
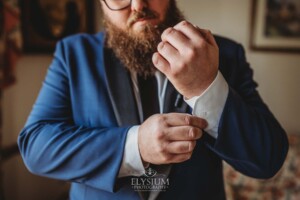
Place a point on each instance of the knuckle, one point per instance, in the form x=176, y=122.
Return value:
x=161, y=122
x=208, y=33
x=178, y=25
x=184, y=23
x=161, y=119
x=189, y=147
x=166, y=158
x=192, y=145
x=160, y=46
x=161, y=149
x=167, y=32
x=200, y=42
x=192, y=133
x=159, y=135
x=190, y=52
x=188, y=119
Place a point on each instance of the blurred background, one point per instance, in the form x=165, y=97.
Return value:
x=276, y=72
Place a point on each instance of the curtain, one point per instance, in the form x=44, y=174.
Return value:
x=10, y=41
x=10, y=48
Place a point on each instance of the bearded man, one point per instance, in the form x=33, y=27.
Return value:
x=149, y=109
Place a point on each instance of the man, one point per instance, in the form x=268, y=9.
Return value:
x=84, y=126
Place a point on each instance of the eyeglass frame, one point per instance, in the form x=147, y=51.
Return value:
x=118, y=8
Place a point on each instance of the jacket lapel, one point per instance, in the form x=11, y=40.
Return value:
x=120, y=90
x=122, y=96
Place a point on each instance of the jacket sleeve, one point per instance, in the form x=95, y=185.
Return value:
x=249, y=137
x=52, y=145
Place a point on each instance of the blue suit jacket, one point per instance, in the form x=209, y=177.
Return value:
x=77, y=128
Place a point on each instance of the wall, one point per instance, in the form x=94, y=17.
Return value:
x=276, y=73
x=19, y=184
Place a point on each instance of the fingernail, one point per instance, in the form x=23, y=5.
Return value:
x=184, y=22
x=170, y=30
x=155, y=58
x=161, y=45
x=166, y=32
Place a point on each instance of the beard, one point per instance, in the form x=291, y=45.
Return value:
x=135, y=49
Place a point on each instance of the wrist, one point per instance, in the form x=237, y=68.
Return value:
x=200, y=88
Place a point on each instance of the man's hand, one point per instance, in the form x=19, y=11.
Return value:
x=169, y=138
x=189, y=57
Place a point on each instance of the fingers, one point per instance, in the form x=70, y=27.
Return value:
x=177, y=158
x=207, y=35
x=184, y=48
x=179, y=147
x=176, y=38
x=165, y=53
x=183, y=133
x=193, y=32
x=184, y=33
x=169, y=138
x=180, y=119
x=187, y=29
x=176, y=152
x=181, y=157
x=160, y=63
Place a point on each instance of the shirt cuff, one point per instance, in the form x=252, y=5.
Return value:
x=210, y=104
x=132, y=164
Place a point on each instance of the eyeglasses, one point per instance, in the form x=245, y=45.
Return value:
x=117, y=4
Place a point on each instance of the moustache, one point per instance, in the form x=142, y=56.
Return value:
x=144, y=14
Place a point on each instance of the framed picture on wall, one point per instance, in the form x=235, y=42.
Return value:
x=44, y=22
x=275, y=25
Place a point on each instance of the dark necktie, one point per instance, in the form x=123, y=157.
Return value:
x=149, y=96
x=150, y=105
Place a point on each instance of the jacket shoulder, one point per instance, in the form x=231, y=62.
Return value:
x=83, y=40
x=227, y=45
x=232, y=58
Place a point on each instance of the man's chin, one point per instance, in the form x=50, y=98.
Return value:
x=137, y=30
x=141, y=27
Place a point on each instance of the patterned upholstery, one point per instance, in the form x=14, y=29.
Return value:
x=284, y=186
